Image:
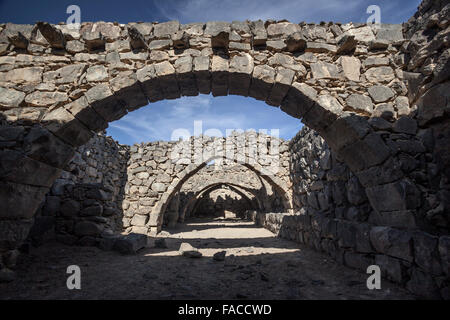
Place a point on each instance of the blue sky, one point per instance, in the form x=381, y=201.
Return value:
x=158, y=120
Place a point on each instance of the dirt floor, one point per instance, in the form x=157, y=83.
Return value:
x=257, y=266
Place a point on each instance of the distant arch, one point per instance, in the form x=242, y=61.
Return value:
x=248, y=193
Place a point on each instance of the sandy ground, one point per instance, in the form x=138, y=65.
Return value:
x=257, y=266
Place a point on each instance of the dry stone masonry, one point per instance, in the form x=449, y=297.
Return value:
x=108, y=188
x=85, y=202
x=158, y=171
x=368, y=181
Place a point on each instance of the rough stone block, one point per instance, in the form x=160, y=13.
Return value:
x=396, y=196
x=444, y=250
x=102, y=100
x=393, y=33
x=94, y=40
x=392, y=242
x=130, y=243
x=202, y=74
x=426, y=254
x=186, y=78
x=64, y=125
x=360, y=103
x=324, y=70
x=391, y=268
x=18, y=168
x=299, y=100
x=137, y=40
x=365, y=153
x=128, y=90
x=347, y=129
x=83, y=112
x=381, y=93
x=357, y=260
x=87, y=228
x=219, y=71
x=150, y=84
x=323, y=113
x=262, y=81
x=280, y=88
x=53, y=36
x=139, y=220
x=363, y=238
x=95, y=210
x=423, y=285
x=350, y=68
x=219, y=33
x=401, y=219
x=70, y=208
x=346, y=232
x=241, y=68
x=320, y=47
x=10, y=98
x=347, y=44
x=296, y=42
x=276, y=45
x=380, y=74
x=167, y=78
x=13, y=232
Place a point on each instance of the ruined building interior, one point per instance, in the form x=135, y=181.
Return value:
x=365, y=182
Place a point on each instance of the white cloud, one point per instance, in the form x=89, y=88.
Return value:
x=211, y=10
x=158, y=121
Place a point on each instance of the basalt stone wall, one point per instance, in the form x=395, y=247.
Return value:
x=378, y=95
x=256, y=188
x=58, y=86
x=85, y=201
x=110, y=188
x=428, y=72
x=222, y=203
x=333, y=215
x=150, y=172
x=323, y=183
x=158, y=171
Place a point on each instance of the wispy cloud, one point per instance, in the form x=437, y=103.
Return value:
x=210, y=10
x=159, y=120
x=302, y=10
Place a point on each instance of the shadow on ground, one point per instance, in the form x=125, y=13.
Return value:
x=257, y=266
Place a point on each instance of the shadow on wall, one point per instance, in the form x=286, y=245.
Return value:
x=84, y=204
x=398, y=154
x=219, y=201
x=408, y=151
x=271, y=271
x=186, y=204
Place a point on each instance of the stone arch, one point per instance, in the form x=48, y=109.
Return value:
x=156, y=215
x=54, y=106
x=238, y=176
x=344, y=81
x=194, y=198
x=190, y=207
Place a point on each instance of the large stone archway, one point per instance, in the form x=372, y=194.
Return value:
x=247, y=195
x=258, y=194
x=105, y=70
x=279, y=185
x=347, y=82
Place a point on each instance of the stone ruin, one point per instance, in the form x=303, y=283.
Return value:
x=366, y=181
